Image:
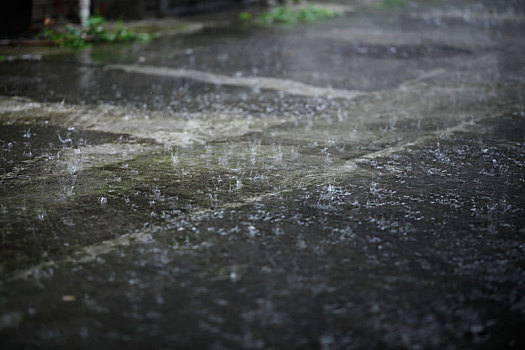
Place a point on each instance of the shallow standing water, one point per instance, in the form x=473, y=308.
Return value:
x=353, y=183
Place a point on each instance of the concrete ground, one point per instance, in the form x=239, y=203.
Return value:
x=355, y=183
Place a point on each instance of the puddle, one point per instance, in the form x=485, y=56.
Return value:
x=399, y=51
x=24, y=144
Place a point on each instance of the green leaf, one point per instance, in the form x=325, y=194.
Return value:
x=245, y=16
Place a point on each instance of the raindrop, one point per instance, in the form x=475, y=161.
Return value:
x=278, y=231
x=67, y=139
x=252, y=231
x=234, y=277
x=175, y=158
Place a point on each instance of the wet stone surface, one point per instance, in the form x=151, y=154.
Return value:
x=207, y=209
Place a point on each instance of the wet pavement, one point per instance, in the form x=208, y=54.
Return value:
x=355, y=183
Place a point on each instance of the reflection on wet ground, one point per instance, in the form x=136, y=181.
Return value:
x=242, y=201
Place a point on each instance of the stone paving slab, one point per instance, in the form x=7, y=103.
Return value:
x=145, y=210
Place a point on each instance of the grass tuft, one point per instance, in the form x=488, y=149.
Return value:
x=95, y=32
x=289, y=15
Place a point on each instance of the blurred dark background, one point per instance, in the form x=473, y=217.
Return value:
x=18, y=16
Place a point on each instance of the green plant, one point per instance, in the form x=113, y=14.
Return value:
x=314, y=13
x=70, y=37
x=121, y=34
x=95, y=32
x=245, y=16
x=278, y=14
x=289, y=15
x=390, y=3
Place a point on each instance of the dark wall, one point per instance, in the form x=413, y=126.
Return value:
x=15, y=17
x=176, y=7
x=126, y=9
x=136, y=9
x=62, y=10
